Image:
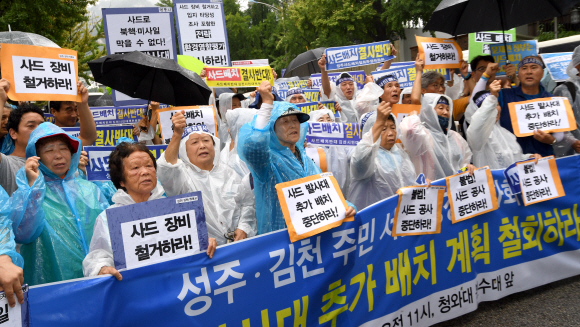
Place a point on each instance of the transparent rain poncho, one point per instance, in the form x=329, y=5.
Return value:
x=561, y=148
x=223, y=201
x=100, y=249
x=337, y=157
x=434, y=153
x=7, y=243
x=492, y=145
x=407, y=90
x=225, y=105
x=57, y=224
x=347, y=106
x=271, y=163
x=377, y=173
x=7, y=145
x=368, y=99
x=236, y=119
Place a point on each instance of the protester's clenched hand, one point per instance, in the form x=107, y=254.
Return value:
x=383, y=111
x=495, y=87
x=322, y=63
x=107, y=270
x=83, y=161
x=492, y=69
x=154, y=105
x=265, y=90
x=309, y=84
x=471, y=168
x=4, y=87
x=543, y=137
x=464, y=70
x=337, y=107
x=136, y=130
x=212, y=244
x=369, y=79
x=350, y=211
x=179, y=123
x=82, y=90
x=419, y=65
x=393, y=50
x=239, y=235
x=11, y=279
x=537, y=156
x=31, y=169
x=510, y=70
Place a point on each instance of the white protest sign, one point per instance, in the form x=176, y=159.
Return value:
x=439, y=53
x=194, y=115
x=318, y=156
x=12, y=317
x=471, y=195
x=539, y=182
x=311, y=205
x=251, y=63
x=202, y=31
x=547, y=114
x=419, y=210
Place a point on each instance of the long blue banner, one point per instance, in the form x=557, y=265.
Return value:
x=358, y=55
x=354, y=275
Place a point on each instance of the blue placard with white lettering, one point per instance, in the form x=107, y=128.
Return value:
x=106, y=135
x=190, y=203
x=516, y=52
x=98, y=167
x=49, y=118
x=358, y=55
x=358, y=76
x=557, y=63
x=118, y=115
x=345, y=134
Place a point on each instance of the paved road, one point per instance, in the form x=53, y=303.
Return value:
x=556, y=304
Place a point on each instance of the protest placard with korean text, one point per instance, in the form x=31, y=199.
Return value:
x=406, y=73
x=17, y=316
x=479, y=42
x=308, y=107
x=194, y=115
x=148, y=30
x=557, y=64
x=251, y=63
x=418, y=210
x=311, y=205
x=40, y=73
x=539, y=182
x=343, y=134
x=106, y=135
x=516, y=52
x=238, y=76
x=286, y=83
x=158, y=230
x=358, y=55
x=358, y=77
x=201, y=28
x=439, y=53
x=547, y=114
x=471, y=195
x=98, y=167
x=118, y=115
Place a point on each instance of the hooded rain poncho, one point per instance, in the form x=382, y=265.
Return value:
x=57, y=225
x=562, y=149
x=434, y=153
x=347, y=106
x=236, y=119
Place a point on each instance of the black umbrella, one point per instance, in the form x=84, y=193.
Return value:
x=457, y=17
x=305, y=63
x=105, y=100
x=155, y=79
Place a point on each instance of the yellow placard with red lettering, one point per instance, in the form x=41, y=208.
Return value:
x=419, y=210
x=539, y=181
x=439, y=52
x=40, y=73
x=238, y=76
x=400, y=111
x=311, y=205
x=471, y=195
x=546, y=114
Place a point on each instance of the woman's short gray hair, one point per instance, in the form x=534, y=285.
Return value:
x=430, y=77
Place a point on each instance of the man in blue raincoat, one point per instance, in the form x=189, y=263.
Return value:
x=272, y=145
x=59, y=209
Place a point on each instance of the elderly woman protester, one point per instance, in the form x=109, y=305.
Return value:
x=133, y=171
x=272, y=145
x=60, y=208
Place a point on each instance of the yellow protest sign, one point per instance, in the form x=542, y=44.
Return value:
x=238, y=76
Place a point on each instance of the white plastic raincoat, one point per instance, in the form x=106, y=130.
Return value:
x=368, y=99
x=347, y=106
x=223, y=202
x=100, y=250
x=377, y=173
x=407, y=90
x=236, y=119
x=562, y=149
x=434, y=153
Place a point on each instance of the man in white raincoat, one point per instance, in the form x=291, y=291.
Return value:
x=191, y=164
x=344, y=92
x=571, y=90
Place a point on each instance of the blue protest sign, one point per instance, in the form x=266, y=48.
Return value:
x=356, y=274
x=118, y=115
x=149, y=30
x=98, y=167
x=406, y=73
x=157, y=230
x=358, y=55
x=288, y=83
x=516, y=52
x=17, y=315
x=49, y=118
x=421, y=180
x=512, y=178
x=358, y=76
x=557, y=63
x=106, y=135
x=348, y=134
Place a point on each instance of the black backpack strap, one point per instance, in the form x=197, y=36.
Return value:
x=572, y=89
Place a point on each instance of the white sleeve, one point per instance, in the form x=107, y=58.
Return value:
x=482, y=123
x=480, y=86
x=245, y=199
x=363, y=158
x=414, y=136
x=100, y=250
x=263, y=115
x=173, y=178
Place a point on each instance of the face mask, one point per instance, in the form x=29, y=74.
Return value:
x=444, y=123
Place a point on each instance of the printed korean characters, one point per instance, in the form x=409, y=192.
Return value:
x=311, y=205
x=547, y=114
x=16, y=316
x=238, y=77
x=358, y=55
x=439, y=53
x=340, y=134
x=471, y=195
x=419, y=210
x=539, y=182
x=516, y=52
x=194, y=115
x=40, y=73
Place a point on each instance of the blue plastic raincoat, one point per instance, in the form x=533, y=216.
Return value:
x=56, y=228
x=7, y=243
x=271, y=163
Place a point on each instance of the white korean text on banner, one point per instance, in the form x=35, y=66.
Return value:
x=98, y=167
x=358, y=55
x=201, y=27
x=106, y=135
x=557, y=63
x=358, y=76
x=348, y=134
x=251, y=63
x=516, y=52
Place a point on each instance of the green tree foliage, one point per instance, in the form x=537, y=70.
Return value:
x=84, y=39
x=50, y=18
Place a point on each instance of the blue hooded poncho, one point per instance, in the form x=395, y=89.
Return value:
x=271, y=163
x=57, y=225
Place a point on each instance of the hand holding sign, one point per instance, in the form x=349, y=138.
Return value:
x=11, y=280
